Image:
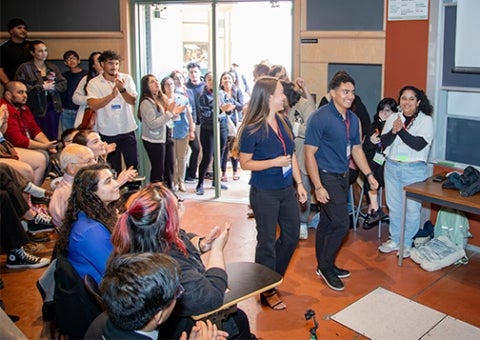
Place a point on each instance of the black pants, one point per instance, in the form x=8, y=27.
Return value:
x=334, y=222
x=12, y=208
x=208, y=146
x=191, y=171
x=272, y=208
x=126, y=146
x=161, y=157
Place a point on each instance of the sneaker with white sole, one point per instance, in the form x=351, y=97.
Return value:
x=303, y=231
x=388, y=247
x=40, y=223
x=341, y=273
x=18, y=258
x=331, y=279
x=406, y=253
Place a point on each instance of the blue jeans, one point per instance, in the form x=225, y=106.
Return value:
x=272, y=207
x=398, y=175
x=68, y=118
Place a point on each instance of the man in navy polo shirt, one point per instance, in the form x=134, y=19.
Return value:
x=333, y=134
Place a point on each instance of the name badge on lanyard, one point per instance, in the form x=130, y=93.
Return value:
x=347, y=130
x=286, y=170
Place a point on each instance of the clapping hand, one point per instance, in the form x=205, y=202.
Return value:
x=127, y=175
x=227, y=107
x=216, y=238
x=3, y=114
x=397, y=125
x=175, y=108
x=205, y=331
x=49, y=85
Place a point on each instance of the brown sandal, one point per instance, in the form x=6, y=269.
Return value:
x=272, y=300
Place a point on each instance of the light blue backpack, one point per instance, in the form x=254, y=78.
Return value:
x=454, y=225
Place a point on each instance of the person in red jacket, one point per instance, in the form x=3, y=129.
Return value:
x=32, y=146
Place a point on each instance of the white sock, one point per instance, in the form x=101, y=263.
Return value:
x=34, y=190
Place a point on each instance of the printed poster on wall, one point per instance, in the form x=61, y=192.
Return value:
x=407, y=10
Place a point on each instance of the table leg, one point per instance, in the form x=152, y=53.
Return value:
x=402, y=228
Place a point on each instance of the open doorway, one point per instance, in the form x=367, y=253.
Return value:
x=170, y=34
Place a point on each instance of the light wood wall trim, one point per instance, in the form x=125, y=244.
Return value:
x=69, y=35
x=126, y=52
x=297, y=23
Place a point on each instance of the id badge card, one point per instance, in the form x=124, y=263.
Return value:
x=116, y=104
x=379, y=158
x=349, y=150
x=287, y=170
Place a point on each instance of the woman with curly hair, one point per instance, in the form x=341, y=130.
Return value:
x=151, y=223
x=407, y=137
x=90, y=218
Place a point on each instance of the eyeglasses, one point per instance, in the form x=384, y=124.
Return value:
x=72, y=58
x=179, y=292
x=89, y=161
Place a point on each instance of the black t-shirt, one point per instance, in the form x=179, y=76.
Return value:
x=72, y=81
x=12, y=55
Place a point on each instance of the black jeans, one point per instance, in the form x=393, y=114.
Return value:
x=191, y=171
x=126, y=146
x=208, y=147
x=161, y=158
x=334, y=222
x=272, y=207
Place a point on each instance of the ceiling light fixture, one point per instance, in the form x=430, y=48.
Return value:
x=274, y=4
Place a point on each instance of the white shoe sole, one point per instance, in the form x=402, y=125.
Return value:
x=319, y=273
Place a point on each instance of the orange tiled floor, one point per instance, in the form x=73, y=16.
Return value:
x=454, y=290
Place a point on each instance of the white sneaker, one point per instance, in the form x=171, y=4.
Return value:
x=406, y=253
x=303, y=231
x=388, y=247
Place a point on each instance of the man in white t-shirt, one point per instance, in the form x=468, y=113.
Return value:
x=112, y=95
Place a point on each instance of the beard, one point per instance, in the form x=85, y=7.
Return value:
x=18, y=104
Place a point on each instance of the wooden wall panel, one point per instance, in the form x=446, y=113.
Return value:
x=336, y=47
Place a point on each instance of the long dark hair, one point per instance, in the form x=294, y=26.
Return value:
x=258, y=109
x=83, y=198
x=92, y=73
x=425, y=105
x=146, y=94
